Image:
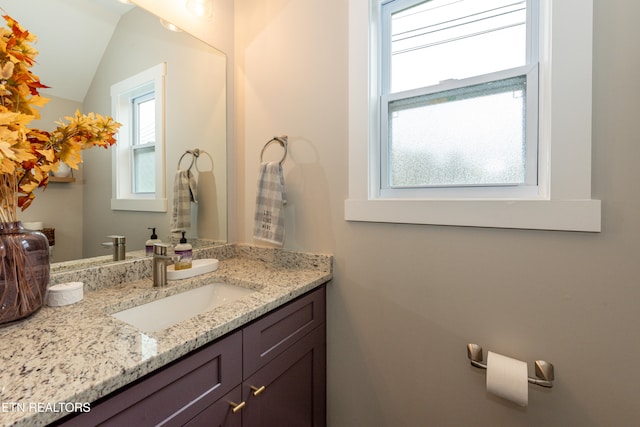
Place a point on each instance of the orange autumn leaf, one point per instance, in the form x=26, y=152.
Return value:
x=48, y=154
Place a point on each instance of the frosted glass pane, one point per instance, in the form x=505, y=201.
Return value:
x=443, y=39
x=468, y=136
x=144, y=170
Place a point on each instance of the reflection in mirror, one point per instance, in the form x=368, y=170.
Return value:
x=195, y=105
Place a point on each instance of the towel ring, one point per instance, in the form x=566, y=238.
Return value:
x=210, y=158
x=195, y=153
x=283, y=140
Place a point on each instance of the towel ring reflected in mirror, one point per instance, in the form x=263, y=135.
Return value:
x=195, y=155
x=282, y=140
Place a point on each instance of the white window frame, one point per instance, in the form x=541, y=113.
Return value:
x=529, y=71
x=123, y=197
x=563, y=197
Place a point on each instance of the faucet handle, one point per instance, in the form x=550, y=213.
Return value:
x=160, y=260
x=118, y=243
x=118, y=240
x=160, y=248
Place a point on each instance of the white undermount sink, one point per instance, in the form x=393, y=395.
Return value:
x=168, y=311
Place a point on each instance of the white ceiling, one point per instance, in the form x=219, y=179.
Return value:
x=72, y=36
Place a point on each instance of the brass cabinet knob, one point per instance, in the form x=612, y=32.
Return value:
x=257, y=390
x=237, y=406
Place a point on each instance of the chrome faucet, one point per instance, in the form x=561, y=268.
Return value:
x=160, y=261
x=118, y=243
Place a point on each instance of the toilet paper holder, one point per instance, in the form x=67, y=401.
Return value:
x=544, y=370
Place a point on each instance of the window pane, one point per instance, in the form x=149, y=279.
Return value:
x=454, y=39
x=144, y=170
x=146, y=122
x=468, y=136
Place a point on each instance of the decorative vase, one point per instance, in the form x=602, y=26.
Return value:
x=24, y=271
x=63, y=171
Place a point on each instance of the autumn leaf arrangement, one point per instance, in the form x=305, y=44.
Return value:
x=28, y=155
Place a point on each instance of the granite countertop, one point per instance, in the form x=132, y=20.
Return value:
x=79, y=353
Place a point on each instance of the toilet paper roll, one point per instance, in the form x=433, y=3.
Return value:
x=507, y=378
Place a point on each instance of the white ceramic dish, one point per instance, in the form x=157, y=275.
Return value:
x=198, y=266
x=65, y=294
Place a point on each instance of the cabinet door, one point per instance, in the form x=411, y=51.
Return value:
x=269, y=336
x=220, y=414
x=175, y=394
x=294, y=393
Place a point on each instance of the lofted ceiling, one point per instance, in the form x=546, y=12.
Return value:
x=72, y=37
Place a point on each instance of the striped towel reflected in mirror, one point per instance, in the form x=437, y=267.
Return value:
x=184, y=192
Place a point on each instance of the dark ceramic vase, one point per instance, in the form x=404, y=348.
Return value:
x=24, y=271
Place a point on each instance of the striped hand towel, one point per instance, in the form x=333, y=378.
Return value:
x=184, y=192
x=270, y=201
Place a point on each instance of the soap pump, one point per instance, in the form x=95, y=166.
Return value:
x=148, y=247
x=184, y=250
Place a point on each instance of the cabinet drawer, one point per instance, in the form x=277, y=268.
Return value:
x=270, y=335
x=174, y=394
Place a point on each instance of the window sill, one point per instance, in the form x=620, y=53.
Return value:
x=144, y=205
x=565, y=215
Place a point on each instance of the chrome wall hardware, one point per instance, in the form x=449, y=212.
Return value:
x=544, y=370
x=283, y=140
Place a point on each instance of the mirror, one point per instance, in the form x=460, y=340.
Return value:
x=124, y=41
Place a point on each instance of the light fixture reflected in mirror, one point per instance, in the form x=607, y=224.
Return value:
x=201, y=8
x=169, y=26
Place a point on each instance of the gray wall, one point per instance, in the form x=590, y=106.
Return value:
x=407, y=299
x=59, y=206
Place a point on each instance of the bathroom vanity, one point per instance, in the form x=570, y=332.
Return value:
x=257, y=361
x=268, y=373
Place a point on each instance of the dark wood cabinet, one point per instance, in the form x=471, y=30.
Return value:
x=267, y=337
x=289, y=390
x=284, y=366
x=175, y=394
x=272, y=372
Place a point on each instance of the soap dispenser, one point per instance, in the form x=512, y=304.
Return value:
x=184, y=250
x=148, y=247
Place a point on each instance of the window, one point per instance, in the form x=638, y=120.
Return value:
x=458, y=88
x=138, y=160
x=473, y=114
x=143, y=142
